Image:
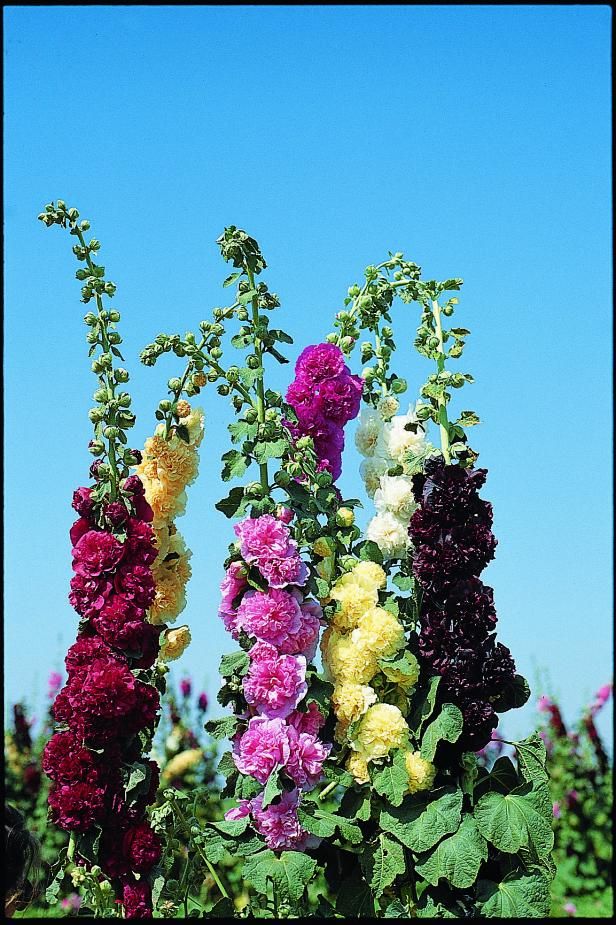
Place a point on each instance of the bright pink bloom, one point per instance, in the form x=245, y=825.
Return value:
x=280, y=572
x=279, y=824
x=270, y=616
x=262, y=538
x=274, y=684
x=307, y=754
x=310, y=721
x=319, y=362
x=264, y=745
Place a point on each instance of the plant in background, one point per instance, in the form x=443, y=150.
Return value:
x=581, y=789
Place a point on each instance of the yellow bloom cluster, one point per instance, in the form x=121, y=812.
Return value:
x=180, y=764
x=361, y=633
x=167, y=468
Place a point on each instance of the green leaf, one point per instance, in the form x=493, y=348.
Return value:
x=395, y=910
x=518, y=896
x=392, y=781
x=224, y=727
x=456, y=858
x=514, y=695
x=290, y=873
x=354, y=899
x=273, y=787
x=231, y=279
x=235, y=465
x=230, y=505
x=242, y=430
x=226, y=765
x=424, y=818
x=323, y=824
x=532, y=758
x=355, y=804
x=404, y=582
x=265, y=450
x=382, y=862
x=424, y=700
x=447, y=726
x=234, y=663
x=371, y=552
x=503, y=777
x=138, y=782
x=88, y=844
x=468, y=419
x=401, y=669
x=341, y=776
x=519, y=819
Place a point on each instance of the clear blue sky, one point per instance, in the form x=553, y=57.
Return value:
x=474, y=139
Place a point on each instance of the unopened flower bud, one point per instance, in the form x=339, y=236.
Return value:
x=90, y=318
x=323, y=546
x=96, y=447
x=121, y=375
x=252, y=361
x=399, y=386
x=199, y=379
x=174, y=384
x=368, y=373
x=345, y=517
x=423, y=412
x=95, y=871
x=303, y=443
x=165, y=405
x=182, y=409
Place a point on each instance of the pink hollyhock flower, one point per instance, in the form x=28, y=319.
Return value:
x=54, y=683
x=88, y=594
x=304, y=641
x=556, y=809
x=310, y=721
x=238, y=812
x=285, y=514
x=601, y=698
x=97, y=552
x=231, y=587
x=307, y=754
x=137, y=899
x=264, y=745
x=319, y=362
x=79, y=528
x=71, y=903
x=278, y=823
x=83, y=502
x=262, y=538
x=135, y=583
x=274, y=684
x=270, y=616
x=544, y=704
x=570, y=908
x=289, y=570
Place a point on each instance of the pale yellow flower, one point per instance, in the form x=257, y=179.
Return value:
x=380, y=632
x=174, y=644
x=357, y=765
x=180, y=764
x=421, y=772
x=350, y=701
x=380, y=730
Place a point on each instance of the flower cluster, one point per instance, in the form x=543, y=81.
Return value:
x=169, y=465
x=324, y=396
x=390, y=443
x=453, y=540
x=360, y=634
x=281, y=627
x=104, y=710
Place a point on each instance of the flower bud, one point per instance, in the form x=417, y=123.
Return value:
x=345, y=517
x=114, y=316
x=95, y=871
x=174, y=384
x=111, y=432
x=251, y=416
x=233, y=374
x=223, y=389
x=182, y=409
x=252, y=361
x=165, y=405
x=199, y=379
x=121, y=375
x=282, y=478
x=423, y=412
x=96, y=447
x=399, y=386
x=254, y=490
x=368, y=373
x=96, y=415
x=90, y=318
x=304, y=443
x=323, y=546
x=285, y=514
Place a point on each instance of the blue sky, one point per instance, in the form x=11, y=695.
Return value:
x=474, y=139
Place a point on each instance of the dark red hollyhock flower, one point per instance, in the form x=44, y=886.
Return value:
x=135, y=583
x=142, y=509
x=119, y=623
x=83, y=502
x=61, y=709
x=202, y=702
x=133, y=484
x=115, y=513
x=137, y=899
x=65, y=760
x=23, y=739
x=77, y=806
x=96, y=552
x=94, y=468
x=106, y=691
x=140, y=545
x=88, y=594
x=149, y=645
x=141, y=847
x=32, y=779
x=85, y=650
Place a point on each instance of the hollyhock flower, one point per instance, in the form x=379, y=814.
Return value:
x=289, y=570
x=395, y=495
x=556, y=809
x=71, y=903
x=54, y=684
x=202, y=703
x=262, y=537
x=278, y=823
x=274, y=684
x=310, y=721
x=85, y=650
x=83, y=502
x=340, y=398
x=544, y=703
x=270, y=616
x=79, y=528
x=285, y=514
x=305, y=640
x=238, y=812
x=319, y=362
x=135, y=583
x=185, y=687
x=65, y=760
x=142, y=509
x=398, y=442
x=140, y=545
x=115, y=513
x=61, y=709
x=137, y=899
x=142, y=847
x=264, y=745
x=77, y=806
x=97, y=552
x=88, y=594
x=133, y=485
x=389, y=533
x=307, y=754
x=368, y=431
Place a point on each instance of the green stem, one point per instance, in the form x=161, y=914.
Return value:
x=72, y=844
x=442, y=404
x=259, y=383
x=108, y=375
x=210, y=867
x=328, y=789
x=177, y=393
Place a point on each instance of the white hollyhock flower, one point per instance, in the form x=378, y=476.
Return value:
x=371, y=471
x=395, y=494
x=390, y=534
x=368, y=431
x=387, y=407
x=399, y=443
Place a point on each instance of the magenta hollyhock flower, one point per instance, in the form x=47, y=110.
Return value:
x=54, y=683
x=289, y=570
x=202, y=702
x=97, y=552
x=83, y=502
x=77, y=806
x=274, y=684
x=140, y=545
x=85, y=650
x=133, y=485
x=544, y=704
x=340, y=398
x=65, y=760
x=136, y=583
x=88, y=594
x=310, y=721
x=71, y=903
x=306, y=757
x=115, y=513
x=270, y=616
x=263, y=745
x=304, y=640
x=285, y=514
x=262, y=538
x=185, y=687
x=278, y=823
x=319, y=362
x=142, y=509
x=79, y=528
x=601, y=698
x=238, y=812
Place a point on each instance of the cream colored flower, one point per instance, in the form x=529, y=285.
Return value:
x=180, y=764
x=357, y=765
x=395, y=494
x=421, y=772
x=398, y=443
x=369, y=575
x=390, y=534
x=387, y=407
x=380, y=632
x=346, y=660
x=350, y=701
x=380, y=730
x=371, y=471
x=174, y=644
x=368, y=431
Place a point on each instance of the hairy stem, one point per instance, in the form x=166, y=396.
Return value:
x=442, y=404
x=260, y=389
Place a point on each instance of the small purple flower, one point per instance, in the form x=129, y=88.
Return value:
x=556, y=809
x=202, y=702
x=185, y=687
x=54, y=684
x=570, y=908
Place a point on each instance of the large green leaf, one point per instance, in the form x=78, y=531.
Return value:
x=518, y=896
x=354, y=899
x=518, y=819
x=424, y=700
x=457, y=858
x=382, y=862
x=234, y=663
x=323, y=824
x=424, y=818
x=532, y=758
x=447, y=726
x=289, y=873
x=392, y=781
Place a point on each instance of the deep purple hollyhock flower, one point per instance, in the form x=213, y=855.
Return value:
x=83, y=502
x=115, y=513
x=137, y=899
x=202, y=702
x=185, y=687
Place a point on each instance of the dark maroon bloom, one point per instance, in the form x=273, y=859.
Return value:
x=453, y=542
x=62, y=710
x=142, y=847
x=140, y=545
x=115, y=513
x=148, y=645
x=83, y=502
x=202, y=702
x=97, y=552
x=185, y=687
x=78, y=529
x=137, y=899
x=88, y=593
x=94, y=468
x=118, y=622
x=138, y=457
x=76, y=807
x=134, y=485
x=65, y=760
x=83, y=652
x=136, y=584
x=142, y=509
